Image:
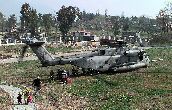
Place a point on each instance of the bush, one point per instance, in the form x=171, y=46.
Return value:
x=163, y=39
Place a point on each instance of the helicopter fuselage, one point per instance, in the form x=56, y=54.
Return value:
x=104, y=59
x=109, y=60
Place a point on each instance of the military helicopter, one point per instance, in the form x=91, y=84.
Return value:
x=114, y=59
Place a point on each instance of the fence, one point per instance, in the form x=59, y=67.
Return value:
x=10, y=43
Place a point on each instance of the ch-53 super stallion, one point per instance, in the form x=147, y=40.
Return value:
x=118, y=58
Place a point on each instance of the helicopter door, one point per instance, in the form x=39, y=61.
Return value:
x=140, y=54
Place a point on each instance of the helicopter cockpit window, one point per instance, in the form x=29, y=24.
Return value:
x=102, y=52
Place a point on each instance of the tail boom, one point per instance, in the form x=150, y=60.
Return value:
x=43, y=55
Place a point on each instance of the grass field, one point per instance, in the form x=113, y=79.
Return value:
x=146, y=88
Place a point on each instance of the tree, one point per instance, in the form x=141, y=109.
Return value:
x=163, y=20
x=29, y=19
x=134, y=23
x=40, y=20
x=11, y=22
x=115, y=20
x=33, y=23
x=25, y=18
x=2, y=22
x=125, y=24
x=47, y=22
x=66, y=16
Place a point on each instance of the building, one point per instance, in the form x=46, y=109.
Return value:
x=134, y=38
x=130, y=37
x=83, y=36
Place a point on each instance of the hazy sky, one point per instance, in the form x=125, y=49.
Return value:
x=115, y=7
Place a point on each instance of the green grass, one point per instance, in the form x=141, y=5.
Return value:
x=3, y=99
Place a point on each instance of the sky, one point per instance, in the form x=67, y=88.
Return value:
x=149, y=8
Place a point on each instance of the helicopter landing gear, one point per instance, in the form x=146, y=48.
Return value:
x=75, y=71
x=89, y=72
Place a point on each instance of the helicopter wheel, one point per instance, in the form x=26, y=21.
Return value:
x=75, y=72
x=91, y=72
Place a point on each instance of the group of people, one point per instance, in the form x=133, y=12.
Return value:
x=28, y=95
x=61, y=75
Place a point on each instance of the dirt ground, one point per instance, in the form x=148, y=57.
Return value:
x=5, y=100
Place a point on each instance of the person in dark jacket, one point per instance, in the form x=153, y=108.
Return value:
x=19, y=98
x=37, y=84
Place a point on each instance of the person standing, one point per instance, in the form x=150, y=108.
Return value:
x=19, y=98
x=26, y=93
x=64, y=77
x=37, y=84
x=29, y=98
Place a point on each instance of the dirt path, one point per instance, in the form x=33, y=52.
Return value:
x=13, y=92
